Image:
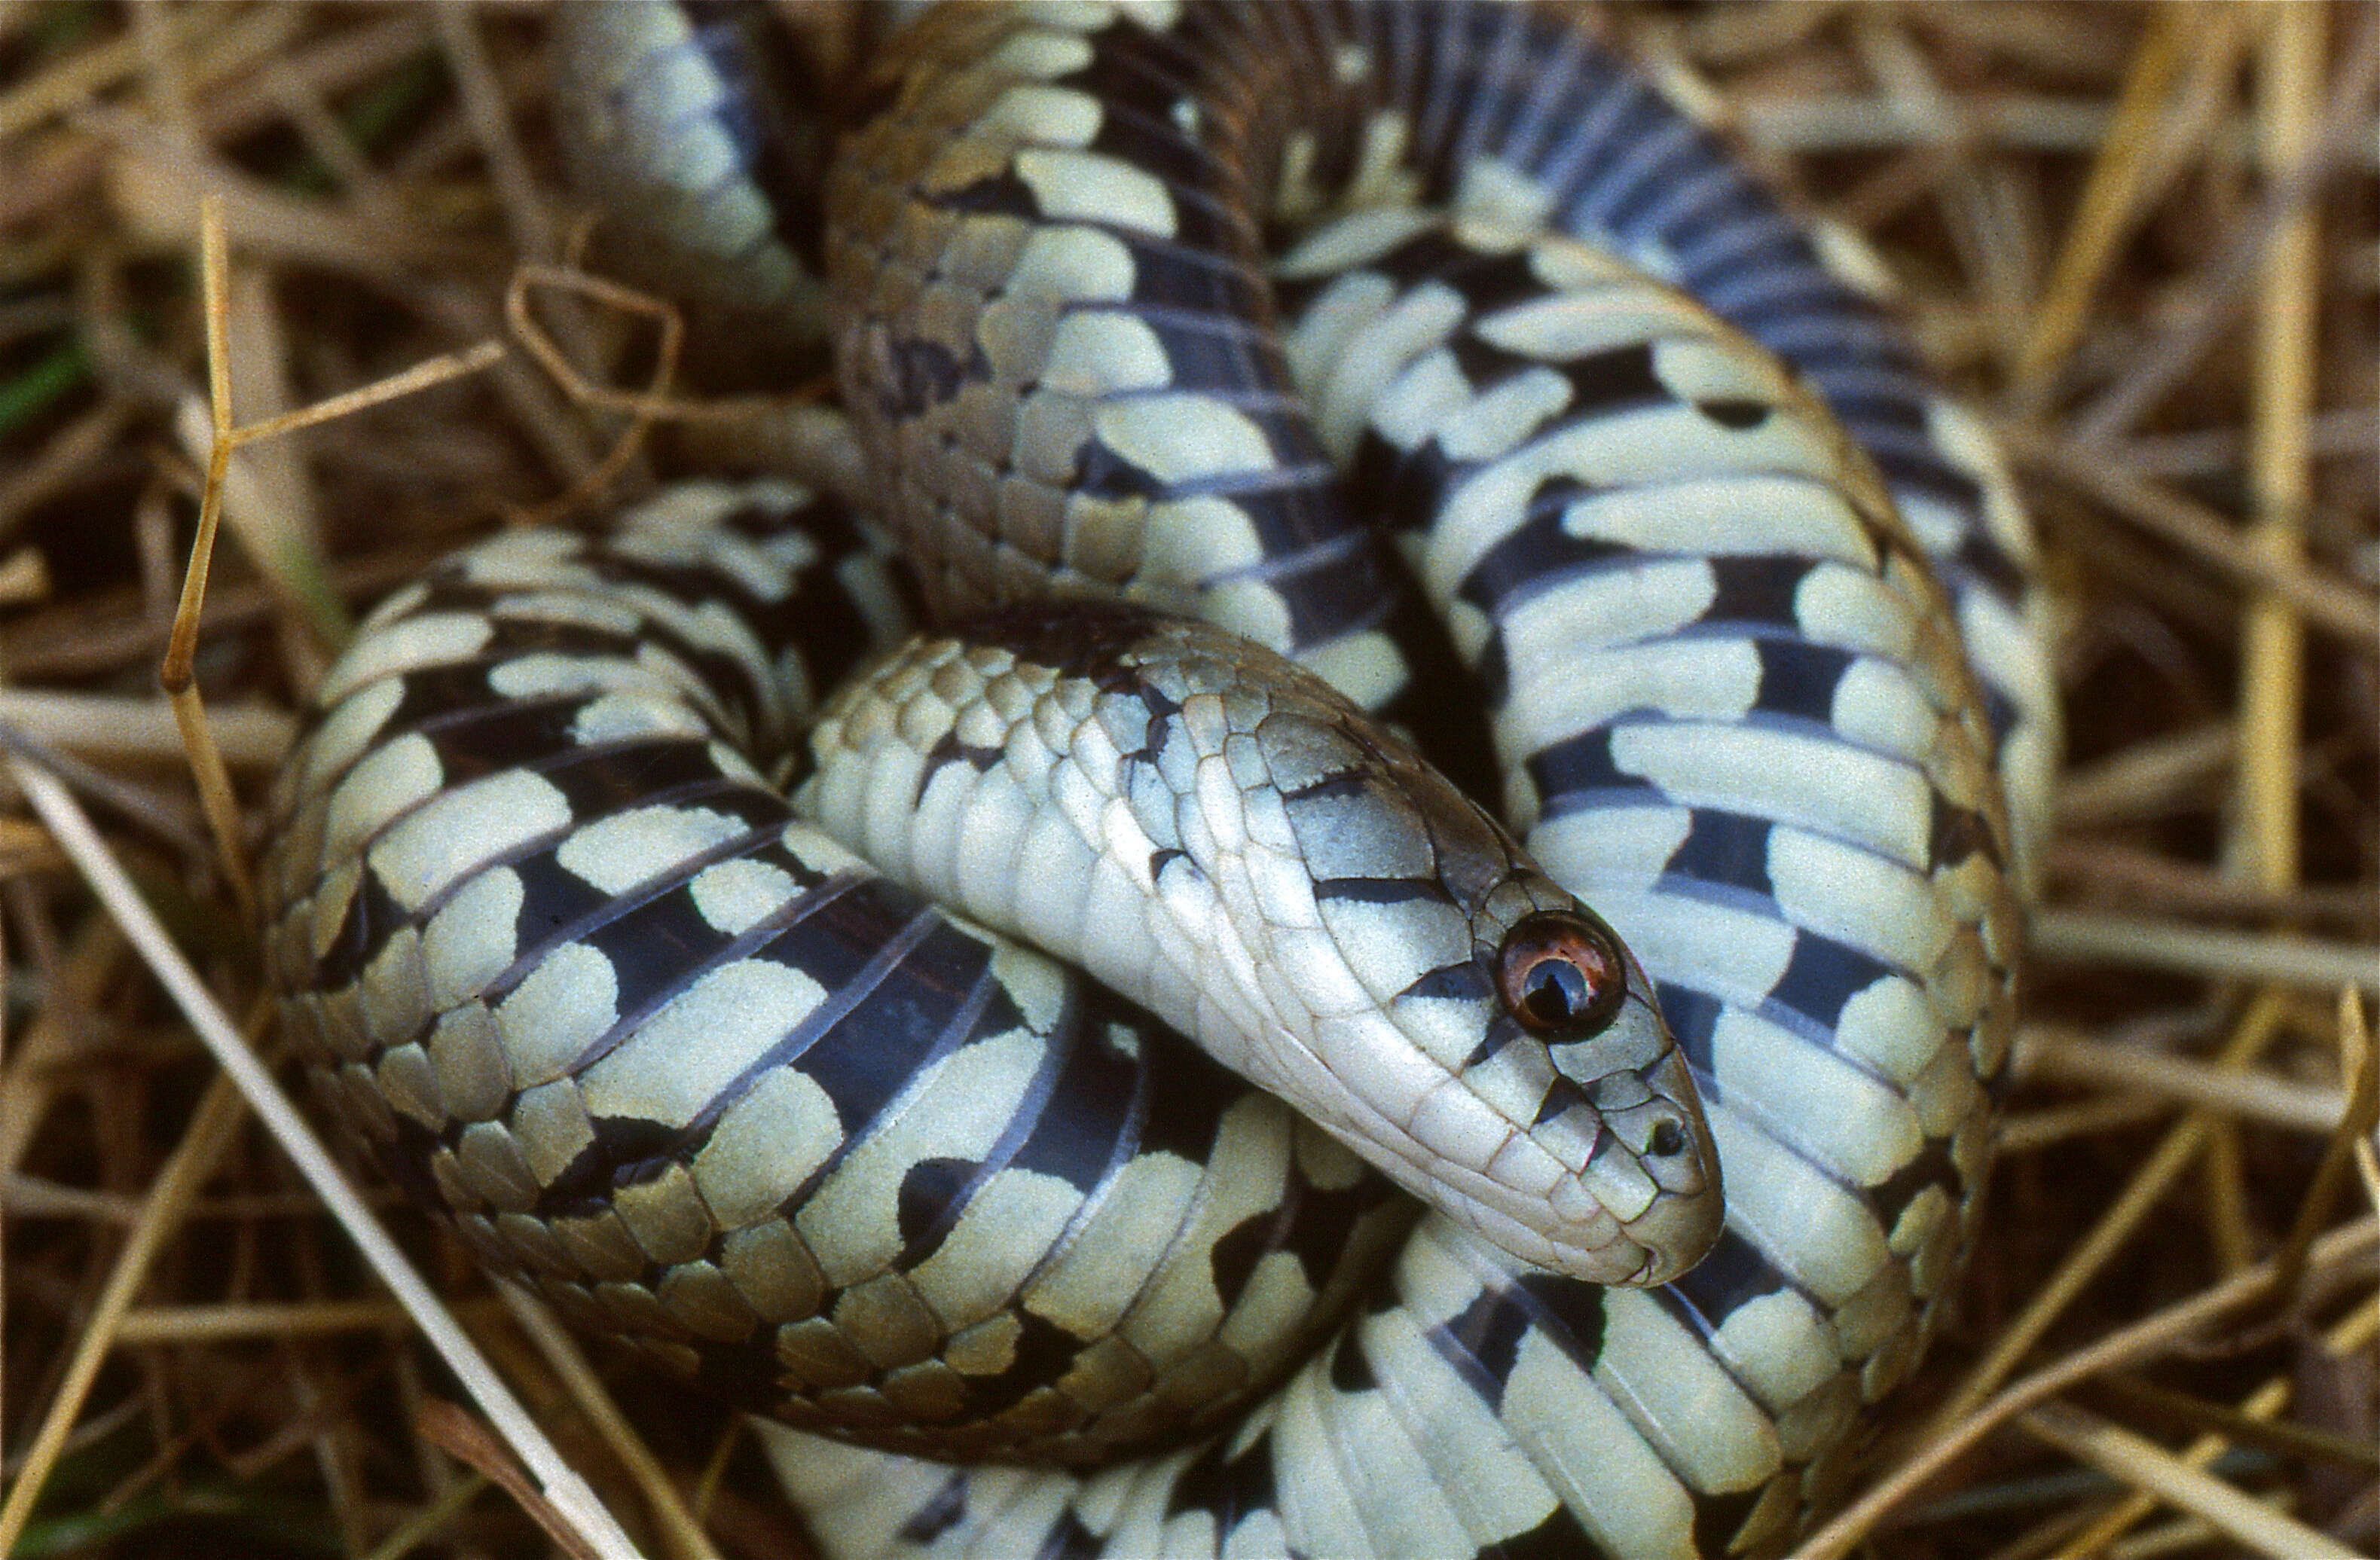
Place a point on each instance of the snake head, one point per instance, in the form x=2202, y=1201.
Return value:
x=1619, y=1108
x=1557, y=1112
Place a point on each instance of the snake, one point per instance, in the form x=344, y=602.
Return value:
x=701, y=940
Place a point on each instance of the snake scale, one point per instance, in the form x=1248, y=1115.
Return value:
x=1248, y=312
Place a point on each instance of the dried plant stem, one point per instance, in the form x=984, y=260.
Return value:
x=2322, y=600
x=193, y=1160
x=640, y=410
x=67, y=453
x=2355, y=1055
x=2182, y=1534
x=654, y=404
x=215, y=796
x=421, y=376
x=2330, y=1176
x=95, y=69
x=679, y=1532
x=2143, y=778
x=2103, y=216
x=562, y=1487
x=491, y=118
x=2144, y=1465
x=2264, y=1404
x=2147, y=1339
x=31, y=1197
x=2210, y=300
x=2130, y=872
x=208, y=767
x=419, y=1528
x=453, y=1431
x=250, y=737
x=2078, y=1057
x=2148, y=1186
x=36, y=1069
x=2037, y=1130
x=2077, y=937
x=207, y=1324
x=2263, y=845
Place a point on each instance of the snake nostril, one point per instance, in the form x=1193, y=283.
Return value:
x=1666, y=1139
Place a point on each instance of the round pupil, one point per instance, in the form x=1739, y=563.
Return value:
x=1554, y=990
x=1563, y=974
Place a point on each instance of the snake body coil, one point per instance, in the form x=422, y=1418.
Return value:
x=563, y=956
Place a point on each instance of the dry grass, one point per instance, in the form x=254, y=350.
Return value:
x=2145, y=238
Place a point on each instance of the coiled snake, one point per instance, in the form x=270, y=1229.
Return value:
x=1118, y=294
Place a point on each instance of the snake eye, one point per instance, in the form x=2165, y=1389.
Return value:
x=1563, y=973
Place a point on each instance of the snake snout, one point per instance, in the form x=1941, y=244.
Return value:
x=1651, y=1163
x=1672, y=1145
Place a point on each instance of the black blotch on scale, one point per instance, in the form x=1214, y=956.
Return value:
x=1692, y=1018
x=1381, y=890
x=373, y=913
x=1323, y=1224
x=1397, y=490
x=1041, y=1354
x=1559, y=1537
x=598, y=782
x=1145, y=69
x=1736, y=415
x=1487, y=282
x=1757, y=589
x=863, y=1058
x=1578, y=767
x=1561, y=1096
x=1483, y=1340
x=1223, y=355
x=1717, y=1518
x=648, y=946
x=1981, y=558
x=1227, y=1486
x=948, y=750
x=1798, y=678
x=1069, y=1540
x=945, y=1509
x=1823, y=974
x=1921, y=471
x=1349, y=1372
x=1073, y=638
x=921, y=374
x=1340, y=585
x=505, y=732
x=626, y=1150
x=1726, y=848
x=1464, y=982
x=1930, y=1166
x=1539, y=552
x=931, y=1196
x=1089, y=1120
x=1732, y=1273
x=1188, y=1090
x=1607, y=380
x=1000, y=194
x=1501, y=1030
x=1231, y=1259
x=1955, y=833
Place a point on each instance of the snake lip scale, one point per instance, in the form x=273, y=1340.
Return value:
x=1190, y=350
